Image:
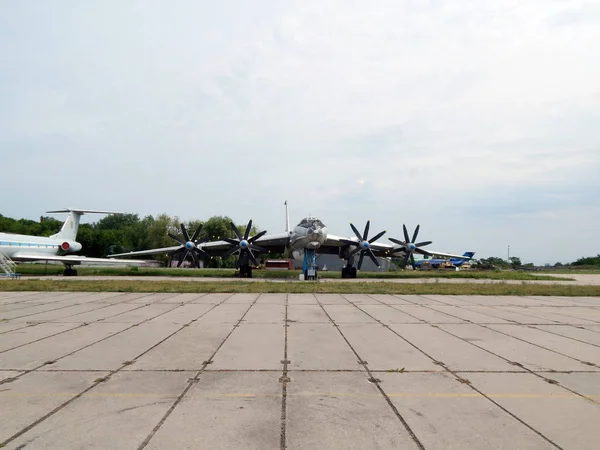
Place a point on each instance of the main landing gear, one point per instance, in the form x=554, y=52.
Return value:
x=245, y=271
x=349, y=271
x=309, y=265
x=69, y=271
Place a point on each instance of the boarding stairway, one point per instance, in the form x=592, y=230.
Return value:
x=8, y=266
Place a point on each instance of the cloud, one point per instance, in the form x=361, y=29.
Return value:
x=452, y=113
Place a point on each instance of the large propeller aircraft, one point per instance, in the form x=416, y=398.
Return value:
x=307, y=239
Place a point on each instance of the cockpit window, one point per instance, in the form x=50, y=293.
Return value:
x=311, y=222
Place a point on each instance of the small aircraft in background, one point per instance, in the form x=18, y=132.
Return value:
x=435, y=263
x=58, y=247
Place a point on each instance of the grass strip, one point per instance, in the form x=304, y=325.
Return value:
x=382, y=287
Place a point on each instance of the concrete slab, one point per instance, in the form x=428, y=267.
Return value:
x=341, y=410
x=509, y=316
x=452, y=300
x=587, y=384
x=63, y=313
x=28, y=312
x=302, y=299
x=5, y=374
x=455, y=353
x=361, y=299
x=387, y=314
x=181, y=314
x=225, y=411
x=419, y=300
x=445, y=414
x=52, y=349
x=347, y=314
x=428, y=315
x=116, y=350
x=212, y=298
x=6, y=327
x=146, y=312
x=143, y=297
x=35, y=394
x=556, y=413
x=180, y=298
x=225, y=313
x=245, y=299
x=307, y=314
x=530, y=356
x=276, y=299
x=252, y=347
x=265, y=313
x=383, y=350
x=108, y=311
x=186, y=350
x=331, y=299
x=18, y=306
x=581, y=334
x=468, y=315
x=541, y=313
x=317, y=346
x=392, y=299
x=22, y=336
x=117, y=414
x=566, y=346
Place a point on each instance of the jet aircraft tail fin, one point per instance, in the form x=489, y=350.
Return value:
x=71, y=224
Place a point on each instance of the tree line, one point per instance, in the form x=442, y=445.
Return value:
x=127, y=232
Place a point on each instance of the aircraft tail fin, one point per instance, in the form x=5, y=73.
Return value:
x=71, y=224
x=469, y=254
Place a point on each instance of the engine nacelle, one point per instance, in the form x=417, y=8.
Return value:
x=70, y=247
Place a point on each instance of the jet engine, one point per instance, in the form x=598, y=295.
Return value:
x=70, y=246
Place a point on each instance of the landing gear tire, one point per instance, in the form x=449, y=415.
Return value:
x=348, y=272
x=245, y=271
x=70, y=272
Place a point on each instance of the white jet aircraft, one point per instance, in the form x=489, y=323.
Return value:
x=58, y=247
x=302, y=243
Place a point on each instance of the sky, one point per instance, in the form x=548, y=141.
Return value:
x=476, y=120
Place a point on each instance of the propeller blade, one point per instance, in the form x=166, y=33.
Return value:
x=232, y=251
x=423, y=244
x=201, y=252
x=405, y=261
x=366, y=233
x=412, y=261
x=372, y=256
x=196, y=233
x=195, y=260
x=377, y=236
x=360, y=260
x=236, y=231
x=248, y=228
x=348, y=242
x=252, y=258
x=406, y=239
x=177, y=238
x=183, y=258
x=356, y=232
x=424, y=252
x=257, y=248
x=184, y=231
x=354, y=252
x=396, y=241
x=257, y=236
x=416, y=233
x=231, y=241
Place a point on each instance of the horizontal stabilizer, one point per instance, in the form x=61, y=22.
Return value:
x=83, y=211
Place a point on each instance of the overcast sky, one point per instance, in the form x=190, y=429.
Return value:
x=478, y=120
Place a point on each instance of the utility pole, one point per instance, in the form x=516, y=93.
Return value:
x=508, y=257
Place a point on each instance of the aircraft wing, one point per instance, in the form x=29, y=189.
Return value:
x=333, y=243
x=273, y=243
x=73, y=259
